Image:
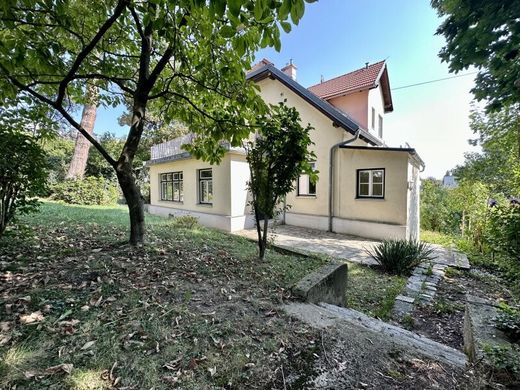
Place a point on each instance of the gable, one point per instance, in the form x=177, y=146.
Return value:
x=339, y=118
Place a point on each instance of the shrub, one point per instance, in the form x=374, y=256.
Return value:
x=508, y=321
x=186, y=221
x=88, y=191
x=503, y=230
x=23, y=174
x=400, y=257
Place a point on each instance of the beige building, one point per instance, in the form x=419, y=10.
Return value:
x=365, y=188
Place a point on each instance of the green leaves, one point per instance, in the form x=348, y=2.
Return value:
x=483, y=34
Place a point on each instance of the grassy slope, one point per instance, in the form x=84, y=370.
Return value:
x=372, y=291
x=193, y=308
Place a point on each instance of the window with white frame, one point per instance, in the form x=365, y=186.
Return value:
x=305, y=187
x=380, y=127
x=373, y=118
x=371, y=183
x=171, y=185
x=206, y=186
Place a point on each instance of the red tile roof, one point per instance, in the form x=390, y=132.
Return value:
x=364, y=78
x=260, y=64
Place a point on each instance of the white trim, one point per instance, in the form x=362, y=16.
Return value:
x=366, y=229
x=222, y=222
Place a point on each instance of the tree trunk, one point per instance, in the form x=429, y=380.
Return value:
x=78, y=164
x=264, y=238
x=134, y=201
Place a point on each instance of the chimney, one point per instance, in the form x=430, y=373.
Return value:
x=290, y=70
x=366, y=65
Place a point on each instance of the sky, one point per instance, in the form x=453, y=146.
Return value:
x=338, y=36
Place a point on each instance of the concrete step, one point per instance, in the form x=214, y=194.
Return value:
x=324, y=315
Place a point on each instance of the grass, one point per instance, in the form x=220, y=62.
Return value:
x=193, y=308
x=506, y=267
x=372, y=291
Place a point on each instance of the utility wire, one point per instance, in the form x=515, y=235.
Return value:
x=434, y=81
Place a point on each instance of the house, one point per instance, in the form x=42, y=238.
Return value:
x=449, y=181
x=365, y=188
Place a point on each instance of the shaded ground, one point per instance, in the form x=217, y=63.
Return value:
x=443, y=320
x=193, y=308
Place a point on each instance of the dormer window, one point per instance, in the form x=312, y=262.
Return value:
x=380, y=127
x=373, y=118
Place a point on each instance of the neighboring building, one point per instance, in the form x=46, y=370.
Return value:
x=365, y=188
x=449, y=180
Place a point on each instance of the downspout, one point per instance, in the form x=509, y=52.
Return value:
x=331, y=174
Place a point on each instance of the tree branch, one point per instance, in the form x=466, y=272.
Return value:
x=64, y=113
x=121, y=4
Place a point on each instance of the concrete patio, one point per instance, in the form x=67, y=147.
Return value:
x=340, y=246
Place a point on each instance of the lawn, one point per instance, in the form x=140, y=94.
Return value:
x=372, y=291
x=193, y=308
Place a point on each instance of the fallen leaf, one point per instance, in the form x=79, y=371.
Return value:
x=97, y=250
x=212, y=371
x=88, y=345
x=32, y=318
x=5, y=326
x=64, y=367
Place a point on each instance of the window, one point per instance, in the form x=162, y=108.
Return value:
x=206, y=186
x=371, y=183
x=373, y=118
x=305, y=186
x=380, y=126
x=171, y=186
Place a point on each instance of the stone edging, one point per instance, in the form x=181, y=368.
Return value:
x=420, y=288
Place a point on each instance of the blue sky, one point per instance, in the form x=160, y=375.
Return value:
x=337, y=36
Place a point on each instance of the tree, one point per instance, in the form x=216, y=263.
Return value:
x=78, y=163
x=22, y=174
x=276, y=158
x=484, y=34
x=498, y=164
x=188, y=55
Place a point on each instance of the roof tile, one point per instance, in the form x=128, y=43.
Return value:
x=359, y=79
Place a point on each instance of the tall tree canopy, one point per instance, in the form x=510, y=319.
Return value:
x=189, y=55
x=497, y=164
x=484, y=34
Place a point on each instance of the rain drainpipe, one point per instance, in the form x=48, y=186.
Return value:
x=331, y=174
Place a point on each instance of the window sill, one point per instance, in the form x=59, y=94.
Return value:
x=368, y=198
x=205, y=204
x=306, y=196
x=172, y=201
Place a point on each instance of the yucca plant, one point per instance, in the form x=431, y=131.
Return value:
x=400, y=257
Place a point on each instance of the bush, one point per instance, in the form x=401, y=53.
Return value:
x=23, y=174
x=88, y=191
x=186, y=221
x=503, y=230
x=400, y=257
x=508, y=321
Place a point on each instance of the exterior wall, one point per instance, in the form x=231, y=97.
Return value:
x=392, y=209
x=413, y=201
x=229, y=177
x=375, y=100
x=324, y=136
x=355, y=105
x=366, y=229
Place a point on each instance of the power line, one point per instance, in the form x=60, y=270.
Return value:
x=434, y=81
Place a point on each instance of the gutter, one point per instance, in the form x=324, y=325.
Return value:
x=331, y=174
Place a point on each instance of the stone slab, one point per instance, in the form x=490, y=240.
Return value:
x=479, y=328
x=326, y=284
x=325, y=315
